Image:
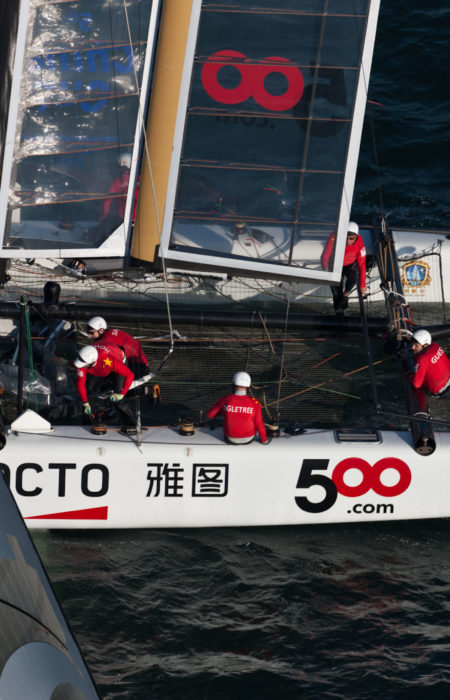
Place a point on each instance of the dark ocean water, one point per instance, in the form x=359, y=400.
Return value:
x=326, y=612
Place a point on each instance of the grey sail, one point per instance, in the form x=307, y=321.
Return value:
x=39, y=657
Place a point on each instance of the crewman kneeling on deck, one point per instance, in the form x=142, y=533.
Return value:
x=432, y=368
x=94, y=364
x=242, y=414
x=98, y=330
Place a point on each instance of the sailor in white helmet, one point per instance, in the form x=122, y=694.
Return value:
x=432, y=368
x=99, y=332
x=354, y=261
x=96, y=365
x=242, y=414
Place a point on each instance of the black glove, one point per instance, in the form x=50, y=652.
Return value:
x=268, y=441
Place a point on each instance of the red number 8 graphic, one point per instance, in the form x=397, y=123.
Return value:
x=372, y=477
x=252, y=80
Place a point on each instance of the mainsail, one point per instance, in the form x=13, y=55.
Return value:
x=254, y=153
x=81, y=72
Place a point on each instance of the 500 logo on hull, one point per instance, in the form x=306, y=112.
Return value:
x=371, y=480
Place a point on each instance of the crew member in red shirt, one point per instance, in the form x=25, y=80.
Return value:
x=354, y=260
x=432, y=369
x=94, y=364
x=98, y=331
x=119, y=189
x=242, y=414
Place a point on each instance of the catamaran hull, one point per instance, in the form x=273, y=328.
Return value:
x=70, y=478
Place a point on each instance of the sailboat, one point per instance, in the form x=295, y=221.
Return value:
x=39, y=656
x=186, y=160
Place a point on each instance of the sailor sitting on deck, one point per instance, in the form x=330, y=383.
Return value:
x=242, y=414
x=94, y=364
x=354, y=259
x=432, y=369
x=98, y=330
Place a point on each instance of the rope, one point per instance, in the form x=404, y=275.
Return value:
x=30, y=356
x=327, y=381
x=282, y=356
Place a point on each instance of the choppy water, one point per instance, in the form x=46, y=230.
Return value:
x=311, y=612
x=325, y=612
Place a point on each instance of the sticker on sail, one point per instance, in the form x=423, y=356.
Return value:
x=415, y=276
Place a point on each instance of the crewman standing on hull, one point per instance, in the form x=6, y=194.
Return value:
x=242, y=414
x=354, y=262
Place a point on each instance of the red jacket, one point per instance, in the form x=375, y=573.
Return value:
x=109, y=360
x=119, y=186
x=355, y=251
x=432, y=369
x=242, y=416
x=133, y=348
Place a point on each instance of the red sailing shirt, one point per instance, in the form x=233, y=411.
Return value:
x=132, y=347
x=119, y=186
x=109, y=360
x=355, y=251
x=432, y=369
x=242, y=416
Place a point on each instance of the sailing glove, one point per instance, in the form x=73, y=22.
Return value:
x=116, y=397
x=86, y=408
x=268, y=441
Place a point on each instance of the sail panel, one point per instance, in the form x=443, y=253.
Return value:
x=74, y=133
x=262, y=139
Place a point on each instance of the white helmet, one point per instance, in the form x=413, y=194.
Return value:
x=352, y=227
x=86, y=356
x=422, y=336
x=125, y=160
x=242, y=379
x=97, y=323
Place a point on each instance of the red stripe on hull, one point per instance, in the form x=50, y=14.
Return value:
x=85, y=514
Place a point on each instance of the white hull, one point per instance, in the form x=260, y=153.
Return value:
x=71, y=479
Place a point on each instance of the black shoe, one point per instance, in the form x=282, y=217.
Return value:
x=337, y=300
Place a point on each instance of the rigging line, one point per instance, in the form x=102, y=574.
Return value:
x=267, y=333
x=327, y=381
x=155, y=203
x=282, y=355
x=367, y=344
